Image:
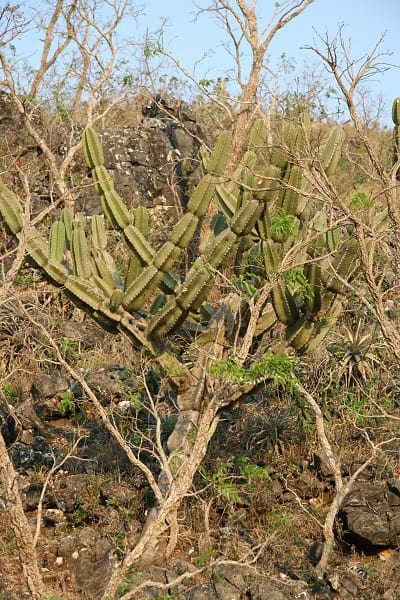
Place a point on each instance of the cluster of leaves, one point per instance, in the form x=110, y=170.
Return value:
x=278, y=368
x=223, y=480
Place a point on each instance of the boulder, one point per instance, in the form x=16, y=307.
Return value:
x=370, y=515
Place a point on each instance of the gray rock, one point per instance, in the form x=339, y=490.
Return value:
x=87, y=554
x=48, y=386
x=370, y=515
x=119, y=494
x=73, y=491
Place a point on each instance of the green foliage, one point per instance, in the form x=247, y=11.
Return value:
x=361, y=200
x=152, y=49
x=357, y=355
x=221, y=481
x=297, y=280
x=281, y=223
x=24, y=276
x=12, y=393
x=206, y=83
x=67, y=406
x=128, y=80
x=278, y=368
x=128, y=582
x=80, y=516
x=248, y=283
x=278, y=521
x=251, y=471
x=204, y=558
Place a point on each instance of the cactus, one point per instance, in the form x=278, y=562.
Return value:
x=11, y=210
x=57, y=241
x=264, y=207
x=396, y=134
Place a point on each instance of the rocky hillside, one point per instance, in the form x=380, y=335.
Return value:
x=253, y=527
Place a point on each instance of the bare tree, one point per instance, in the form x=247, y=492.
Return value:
x=77, y=72
x=278, y=197
x=373, y=239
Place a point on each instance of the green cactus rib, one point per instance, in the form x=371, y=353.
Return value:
x=313, y=274
x=99, y=236
x=11, y=209
x=150, y=278
x=67, y=219
x=120, y=214
x=396, y=111
x=258, y=134
x=313, y=268
x=103, y=264
x=288, y=199
x=85, y=292
x=172, y=314
x=38, y=250
x=266, y=320
x=37, y=247
x=282, y=300
x=102, y=180
x=331, y=149
x=141, y=220
x=336, y=308
x=220, y=250
x=57, y=241
x=245, y=218
x=303, y=133
x=345, y=265
x=57, y=272
x=92, y=149
x=263, y=225
x=191, y=293
x=184, y=230
x=80, y=253
x=216, y=163
x=133, y=270
x=300, y=334
x=140, y=288
x=270, y=255
x=269, y=182
x=332, y=239
x=200, y=199
x=106, y=287
x=289, y=134
x=227, y=196
x=165, y=320
x=116, y=300
x=138, y=245
x=284, y=304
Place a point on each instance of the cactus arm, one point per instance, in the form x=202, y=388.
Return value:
x=345, y=264
x=80, y=253
x=218, y=159
x=331, y=149
x=11, y=209
x=288, y=198
x=57, y=241
x=99, y=237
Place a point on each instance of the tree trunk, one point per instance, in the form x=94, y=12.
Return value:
x=19, y=524
x=163, y=518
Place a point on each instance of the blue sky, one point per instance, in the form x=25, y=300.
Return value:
x=364, y=21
